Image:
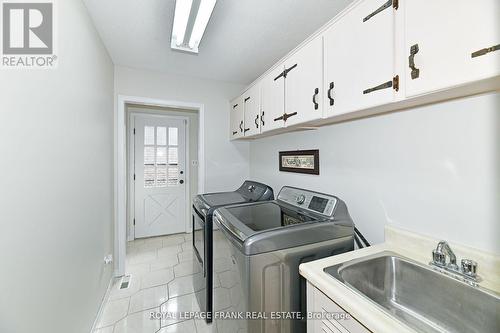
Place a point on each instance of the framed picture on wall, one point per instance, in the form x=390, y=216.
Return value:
x=300, y=161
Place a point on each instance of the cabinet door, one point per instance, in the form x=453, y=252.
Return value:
x=359, y=58
x=447, y=34
x=236, y=122
x=251, y=102
x=273, y=99
x=304, y=83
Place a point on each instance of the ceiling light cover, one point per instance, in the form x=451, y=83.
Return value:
x=204, y=12
x=181, y=18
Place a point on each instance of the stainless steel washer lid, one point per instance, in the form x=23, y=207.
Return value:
x=268, y=226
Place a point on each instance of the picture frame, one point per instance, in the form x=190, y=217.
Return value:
x=299, y=161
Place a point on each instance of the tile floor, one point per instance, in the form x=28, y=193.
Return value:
x=161, y=270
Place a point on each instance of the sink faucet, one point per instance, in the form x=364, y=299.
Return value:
x=468, y=269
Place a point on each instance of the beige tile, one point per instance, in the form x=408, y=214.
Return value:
x=108, y=329
x=157, y=278
x=182, y=327
x=187, y=246
x=185, y=285
x=139, y=322
x=203, y=327
x=174, y=306
x=173, y=240
x=186, y=268
x=185, y=255
x=141, y=257
x=137, y=269
x=134, y=286
x=148, y=299
x=164, y=262
x=167, y=251
x=113, y=311
x=228, y=279
x=221, y=299
x=188, y=237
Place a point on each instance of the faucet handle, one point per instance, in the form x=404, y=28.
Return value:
x=438, y=258
x=469, y=267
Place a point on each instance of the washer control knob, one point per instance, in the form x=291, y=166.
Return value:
x=301, y=199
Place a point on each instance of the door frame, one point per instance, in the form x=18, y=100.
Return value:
x=131, y=166
x=120, y=174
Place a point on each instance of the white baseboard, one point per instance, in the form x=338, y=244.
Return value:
x=103, y=302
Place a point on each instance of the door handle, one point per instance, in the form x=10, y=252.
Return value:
x=332, y=101
x=257, y=121
x=241, y=126
x=415, y=72
x=181, y=182
x=316, y=92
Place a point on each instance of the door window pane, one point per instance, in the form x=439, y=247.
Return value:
x=149, y=135
x=161, y=136
x=173, y=176
x=161, y=155
x=149, y=176
x=149, y=155
x=173, y=155
x=161, y=176
x=173, y=136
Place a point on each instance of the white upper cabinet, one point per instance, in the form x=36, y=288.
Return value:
x=359, y=58
x=251, y=103
x=303, y=79
x=450, y=43
x=237, y=121
x=273, y=99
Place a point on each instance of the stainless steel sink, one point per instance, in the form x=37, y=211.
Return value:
x=420, y=297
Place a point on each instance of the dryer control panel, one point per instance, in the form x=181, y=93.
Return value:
x=318, y=203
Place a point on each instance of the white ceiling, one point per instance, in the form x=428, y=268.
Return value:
x=243, y=38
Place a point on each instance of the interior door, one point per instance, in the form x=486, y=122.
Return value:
x=273, y=99
x=304, y=84
x=448, y=34
x=160, y=177
x=251, y=102
x=237, y=121
x=359, y=58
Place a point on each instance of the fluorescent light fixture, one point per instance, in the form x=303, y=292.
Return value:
x=181, y=18
x=201, y=22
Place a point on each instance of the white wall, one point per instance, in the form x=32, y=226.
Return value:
x=433, y=170
x=56, y=182
x=226, y=162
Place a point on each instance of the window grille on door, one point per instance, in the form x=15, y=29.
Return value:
x=161, y=156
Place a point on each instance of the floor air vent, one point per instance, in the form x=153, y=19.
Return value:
x=125, y=283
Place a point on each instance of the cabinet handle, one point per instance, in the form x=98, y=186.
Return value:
x=280, y=118
x=316, y=92
x=247, y=99
x=332, y=101
x=257, y=121
x=388, y=4
x=241, y=126
x=415, y=72
x=484, y=51
x=394, y=83
x=262, y=119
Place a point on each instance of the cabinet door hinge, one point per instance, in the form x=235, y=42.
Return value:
x=134, y=221
x=388, y=4
x=134, y=176
x=134, y=131
x=394, y=83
